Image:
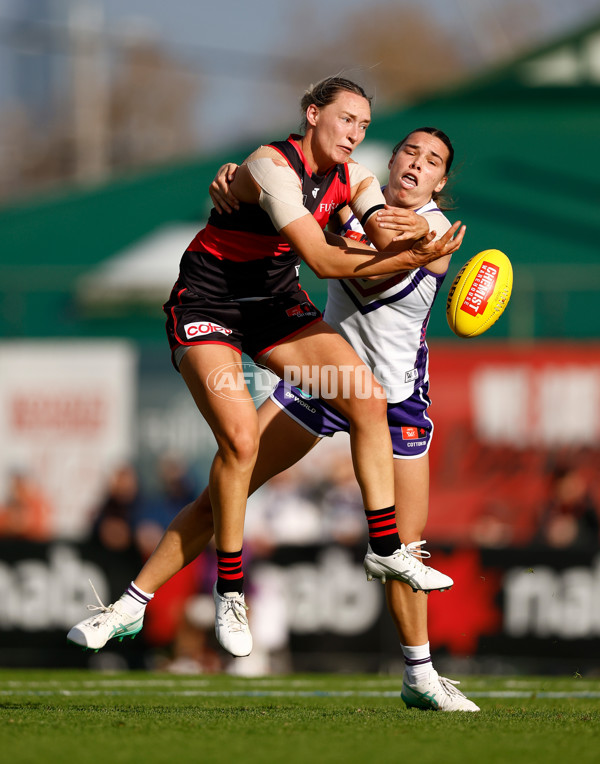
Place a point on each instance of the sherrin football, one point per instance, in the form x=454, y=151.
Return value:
x=479, y=293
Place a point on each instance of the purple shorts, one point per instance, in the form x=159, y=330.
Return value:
x=410, y=427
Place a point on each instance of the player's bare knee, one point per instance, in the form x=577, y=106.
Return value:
x=368, y=409
x=240, y=445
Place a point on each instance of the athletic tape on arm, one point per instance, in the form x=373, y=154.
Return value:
x=371, y=198
x=281, y=193
x=438, y=222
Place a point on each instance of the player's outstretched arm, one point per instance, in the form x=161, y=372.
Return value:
x=329, y=257
x=332, y=256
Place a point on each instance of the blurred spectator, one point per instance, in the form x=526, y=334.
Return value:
x=174, y=621
x=168, y=621
x=173, y=491
x=26, y=512
x=341, y=502
x=494, y=526
x=282, y=514
x=195, y=649
x=116, y=515
x=570, y=518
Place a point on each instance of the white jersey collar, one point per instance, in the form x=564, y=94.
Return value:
x=429, y=207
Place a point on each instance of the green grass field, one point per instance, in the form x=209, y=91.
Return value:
x=74, y=716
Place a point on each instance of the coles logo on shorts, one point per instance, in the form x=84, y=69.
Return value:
x=413, y=433
x=201, y=328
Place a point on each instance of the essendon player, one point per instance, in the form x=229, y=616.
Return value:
x=240, y=277
x=385, y=320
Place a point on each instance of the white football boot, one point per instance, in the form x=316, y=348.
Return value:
x=405, y=565
x=111, y=622
x=231, y=623
x=436, y=693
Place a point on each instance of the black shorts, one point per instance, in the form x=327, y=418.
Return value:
x=249, y=326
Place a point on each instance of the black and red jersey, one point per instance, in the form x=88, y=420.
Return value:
x=243, y=255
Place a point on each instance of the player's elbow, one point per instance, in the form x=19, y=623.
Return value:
x=321, y=271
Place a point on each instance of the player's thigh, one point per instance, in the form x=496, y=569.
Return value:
x=283, y=442
x=317, y=344
x=320, y=361
x=411, y=488
x=214, y=375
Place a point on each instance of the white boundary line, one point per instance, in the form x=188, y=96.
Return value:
x=532, y=694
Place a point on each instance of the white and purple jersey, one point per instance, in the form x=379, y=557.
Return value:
x=385, y=319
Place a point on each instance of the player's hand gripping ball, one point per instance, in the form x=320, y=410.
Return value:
x=479, y=293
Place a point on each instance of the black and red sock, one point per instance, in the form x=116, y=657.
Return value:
x=230, y=575
x=383, y=533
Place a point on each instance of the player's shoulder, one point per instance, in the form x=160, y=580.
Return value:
x=358, y=172
x=266, y=152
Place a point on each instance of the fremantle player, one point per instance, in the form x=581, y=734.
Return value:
x=386, y=321
x=238, y=291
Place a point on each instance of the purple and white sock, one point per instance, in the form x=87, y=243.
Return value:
x=134, y=599
x=418, y=662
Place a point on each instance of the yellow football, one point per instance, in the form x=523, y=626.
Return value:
x=479, y=293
